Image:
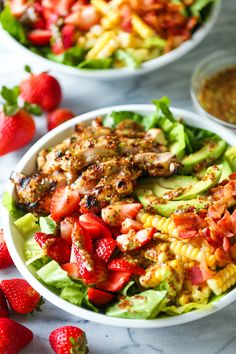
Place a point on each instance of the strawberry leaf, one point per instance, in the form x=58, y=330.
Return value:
x=28, y=69
x=32, y=108
x=10, y=110
x=10, y=95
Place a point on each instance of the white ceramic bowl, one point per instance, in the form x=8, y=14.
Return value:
x=15, y=241
x=111, y=74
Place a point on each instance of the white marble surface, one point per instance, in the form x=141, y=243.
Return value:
x=213, y=335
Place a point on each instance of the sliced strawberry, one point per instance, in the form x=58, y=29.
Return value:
x=81, y=238
x=130, y=224
x=64, y=202
x=55, y=247
x=95, y=226
x=123, y=265
x=99, y=297
x=115, y=214
x=115, y=281
x=72, y=269
x=66, y=229
x=4, y=311
x=104, y=247
x=40, y=37
x=68, y=36
x=134, y=240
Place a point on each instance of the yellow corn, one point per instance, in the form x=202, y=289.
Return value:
x=223, y=280
x=202, y=294
x=104, y=46
x=141, y=27
x=101, y=6
x=184, y=298
x=165, y=225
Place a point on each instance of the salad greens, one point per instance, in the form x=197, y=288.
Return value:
x=13, y=26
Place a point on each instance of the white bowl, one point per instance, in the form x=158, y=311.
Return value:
x=110, y=74
x=15, y=241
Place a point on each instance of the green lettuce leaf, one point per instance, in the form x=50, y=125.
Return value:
x=179, y=310
x=198, y=6
x=96, y=64
x=9, y=203
x=12, y=25
x=127, y=59
x=52, y=274
x=27, y=224
x=74, y=293
x=112, y=119
x=48, y=225
x=72, y=56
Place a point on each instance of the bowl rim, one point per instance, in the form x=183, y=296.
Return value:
x=209, y=58
x=192, y=119
x=146, y=67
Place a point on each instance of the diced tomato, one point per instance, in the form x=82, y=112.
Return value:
x=134, y=240
x=104, y=247
x=99, y=297
x=40, y=37
x=123, y=265
x=68, y=36
x=115, y=214
x=195, y=275
x=72, y=269
x=95, y=226
x=66, y=229
x=64, y=202
x=115, y=281
x=130, y=224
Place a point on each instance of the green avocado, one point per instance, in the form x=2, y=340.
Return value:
x=226, y=170
x=152, y=183
x=210, y=179
x=177, y=181
x=211, y=151
x=167, y=207
x=230, y=156
x=177, y=136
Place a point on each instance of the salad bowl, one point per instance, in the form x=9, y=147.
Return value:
x=125, y=72
x=15, y=240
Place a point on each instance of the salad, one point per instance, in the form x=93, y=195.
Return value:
x=132, y=216
x=101, y=34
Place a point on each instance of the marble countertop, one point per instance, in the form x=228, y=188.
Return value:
x=212, y=335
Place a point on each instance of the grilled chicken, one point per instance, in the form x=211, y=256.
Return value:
x=103, y=164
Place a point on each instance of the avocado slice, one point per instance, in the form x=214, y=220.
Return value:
x=165, y=208
x=152, y=184
x=210, y=179
x=230, y=156
x=226, y=170
x=177, y=181
x=208, y=153
x=177, y=136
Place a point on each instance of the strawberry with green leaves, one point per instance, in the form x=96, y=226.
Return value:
x=5, y=258
x=17, y=127
x=13, y=336
x=68, y=339
x=21, y=296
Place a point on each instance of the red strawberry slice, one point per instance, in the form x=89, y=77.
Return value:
x=104, y=247
x=122, y=264
x=64, y=202
x=115, y=281
x=130, y=224
x=68, y=36
x=81, y=238
x=40, y=37
x=99, y=297
x=134, y=240
x=72, y=269
x=115, y=214
x=13, y=336
x=95, y=226
x=4, y=312
x=55, y=247
x=66, y=229
x=5, y=258
x=67, y=340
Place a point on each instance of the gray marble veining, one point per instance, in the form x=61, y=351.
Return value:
x=215, y=334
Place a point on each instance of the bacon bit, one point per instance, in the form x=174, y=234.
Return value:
x=189, y=220
x=222, y=258
x=224, y=225
x=215, y=211
x=233, y=220
x=188, y=234
x=207, y=234
x=226, y=244
x=195, y=275
x=232, y=176
x=207, y=273
x=232, y=252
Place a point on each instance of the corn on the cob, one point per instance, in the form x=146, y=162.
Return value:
x=223, y=280
x=104, y=46
x=140, y=27
x=165, y=225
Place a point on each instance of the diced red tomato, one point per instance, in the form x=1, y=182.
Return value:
x=95, y=226
x=66, y=226
x=130, y=224
x=115, y=281
x=99, y=297
x=134, y=240
x=195, y=275
x=104, y=247
x=64, y=202
x=123, y=265
x=115, y=214
x=55, y=247
x=40, y=37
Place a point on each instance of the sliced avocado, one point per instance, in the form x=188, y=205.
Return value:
x=210, y=179
x=165, y=208
x=177, y=137
x=226, y=170
x=152, y=184
x=177, y=181
x=208, y=153
x=230, y=155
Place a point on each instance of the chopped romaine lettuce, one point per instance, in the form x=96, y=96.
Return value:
x=27, y=224
x=47, y=225
x=230, y=156
x=88, y=304
x=130, y=289
x=32, y=250
x=96, y=64
x=72, y=57
x=179, y=310
x=112, y=119
x=12, y=25
x=127, y=59
x=141, y=306
x=198, y=6
x=9, y=204
x=74, y=293
x=52, y=274
x=155, y=42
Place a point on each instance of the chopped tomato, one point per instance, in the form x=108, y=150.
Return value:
x=99, y=297
x=64, y=202
x=115, y=214
x=115, y=281
x=95, y=226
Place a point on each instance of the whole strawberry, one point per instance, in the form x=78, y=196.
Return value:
x=4, y=312
x=42, y=89
x=13, y=336
x=5, y=258
x=21, y=296
x=67, y=340
x=58, y=116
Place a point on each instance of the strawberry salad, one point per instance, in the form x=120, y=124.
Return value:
x=100, y=34
x=132, y=216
